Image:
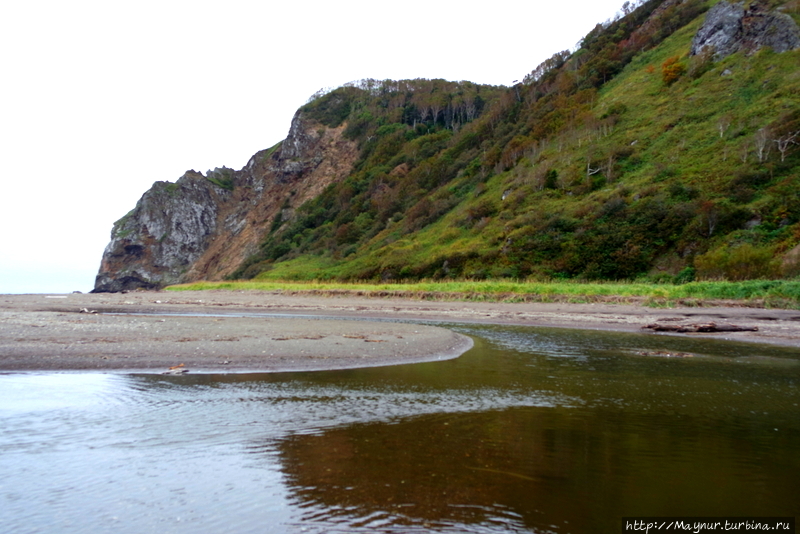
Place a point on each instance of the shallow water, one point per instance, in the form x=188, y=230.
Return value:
x=533, y=430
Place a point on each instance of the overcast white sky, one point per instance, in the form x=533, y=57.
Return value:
x=99, y=99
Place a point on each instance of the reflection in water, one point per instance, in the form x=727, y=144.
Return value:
x=535, y=469
x=534, y=430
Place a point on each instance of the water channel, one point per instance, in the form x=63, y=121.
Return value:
x=533, y=430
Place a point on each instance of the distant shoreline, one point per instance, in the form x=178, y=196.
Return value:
x=84, y=331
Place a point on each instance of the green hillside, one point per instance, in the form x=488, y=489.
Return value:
x=626, y=159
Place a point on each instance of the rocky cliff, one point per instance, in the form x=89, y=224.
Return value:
x=203, y=226
x=729, y=28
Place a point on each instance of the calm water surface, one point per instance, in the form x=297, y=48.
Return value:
x=534, y=430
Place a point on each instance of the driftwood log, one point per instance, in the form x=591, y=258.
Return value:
x=699, y=327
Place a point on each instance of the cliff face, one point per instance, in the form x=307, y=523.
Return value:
x=729, y=28
x=203, y=227
x=162, y=238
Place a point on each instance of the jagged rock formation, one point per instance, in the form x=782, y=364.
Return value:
x=729, y=28
x=202, y=227
x=163, y=236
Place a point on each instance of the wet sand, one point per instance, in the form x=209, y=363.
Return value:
x=254, y=331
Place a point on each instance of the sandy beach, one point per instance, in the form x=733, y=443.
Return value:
x=254, y=331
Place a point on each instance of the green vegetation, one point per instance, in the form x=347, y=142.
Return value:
x=625, y=160
x=773, y=293
x=221, y=178
x=117, y=231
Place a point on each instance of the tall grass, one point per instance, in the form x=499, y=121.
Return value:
x=770, y=293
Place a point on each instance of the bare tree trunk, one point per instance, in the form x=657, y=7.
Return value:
x=762, y=144
x=723, y=124
x=744, y=153
x=785, y=141
x=610, y=168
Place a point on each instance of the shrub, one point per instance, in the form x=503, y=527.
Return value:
x=791, y=263
x=743, y=262
x=671, y=70
x=686, y=275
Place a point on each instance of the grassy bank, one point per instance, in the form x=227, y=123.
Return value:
x=756, y=293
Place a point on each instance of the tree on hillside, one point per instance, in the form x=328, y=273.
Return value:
x=786, y=133
x=785, y=142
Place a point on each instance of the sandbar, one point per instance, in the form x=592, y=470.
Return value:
x=259, y=331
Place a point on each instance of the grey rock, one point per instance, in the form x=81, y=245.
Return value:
x=297, y=155
x=159, y=240
x=721, y=30
x=729, y=28
x=775, y=30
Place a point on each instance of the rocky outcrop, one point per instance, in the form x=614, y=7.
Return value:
x=203, y=227
x=167, y=231
x=729, y=28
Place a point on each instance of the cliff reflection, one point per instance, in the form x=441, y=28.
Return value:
x=534, y=469
x=433, y=471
